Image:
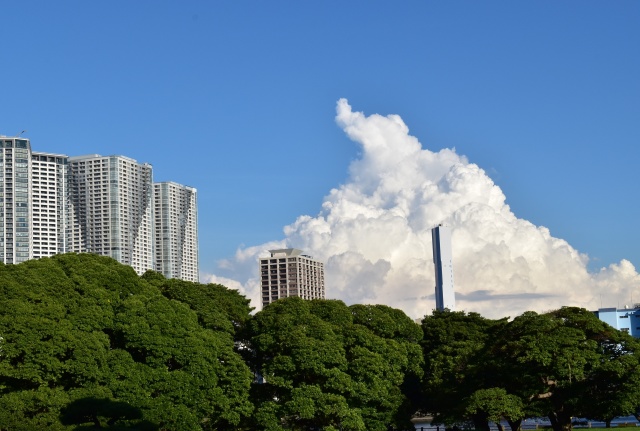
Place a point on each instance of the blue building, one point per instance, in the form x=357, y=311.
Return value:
x=624, y=319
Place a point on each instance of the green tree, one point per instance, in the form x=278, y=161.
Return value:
x=615, y=390
x=217, y=307
x=568, y=363
x=52, y=323
x=180, y=374
x=329, y=366
x=84, y=327
x=303, y=362
x=104, y=414
x=386, y=361
x=612, y=387
x=493, y=404
x=454, y=348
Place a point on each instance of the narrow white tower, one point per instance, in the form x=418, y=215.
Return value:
x=112, y=209
x=176, y=230
x=443, y=263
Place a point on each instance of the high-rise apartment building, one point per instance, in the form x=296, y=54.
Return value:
x=15, y=223
x=289, y=272
x=33, y=204
x=443, y=263
x=52, y=203
x=176, y=231
x=49, y=204
x=112, y=209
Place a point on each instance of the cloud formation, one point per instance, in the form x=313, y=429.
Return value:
x=374, y=235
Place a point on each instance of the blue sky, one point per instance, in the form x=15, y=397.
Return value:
x=238, y=100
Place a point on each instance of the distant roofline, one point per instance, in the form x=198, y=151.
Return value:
x=634, y=307
x=86, y=156
x=289, y=252
x=41, y=153
x=286, y=252
x=175, y=183
x=96, y=156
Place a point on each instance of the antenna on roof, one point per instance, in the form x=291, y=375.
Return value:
x=19, y=134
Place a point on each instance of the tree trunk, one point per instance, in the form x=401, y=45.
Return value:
x=607, y=423
x=500, y=428
x=560, y=421
x=96, y=421
x=481, y=422
x=515, y=425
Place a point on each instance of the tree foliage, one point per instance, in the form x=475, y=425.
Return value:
x=568, y=363
x=86, y=344
x=84, y=330
x=493, y=404
x=562, y=364
x=217, y=307
x=329, y=366
x=454, y=347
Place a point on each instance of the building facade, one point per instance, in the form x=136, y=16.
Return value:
x=15, y=221
x=176, y=230
x=33, y=203
x=443, y=263
x=112, y=209
x=623, y=319
x=289, y=272
x=49, y=204
x=52, y=203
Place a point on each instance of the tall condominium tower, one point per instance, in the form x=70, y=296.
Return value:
x=111, y=209
x=288, y=272
x=176, y=231
x=443, y=262
x=15, y=220
x=49, y=204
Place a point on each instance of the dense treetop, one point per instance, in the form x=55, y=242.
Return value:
x=329, y=365
x=86, y=344
x=80, y=329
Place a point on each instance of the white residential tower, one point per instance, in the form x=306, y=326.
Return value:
x=176, y=230
x=49, y=204
x=111, y=209
x=108, y=205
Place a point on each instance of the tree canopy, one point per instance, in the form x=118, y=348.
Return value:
x=80, y=329
x=326, y=365
x=86, y=344
x=562, y=364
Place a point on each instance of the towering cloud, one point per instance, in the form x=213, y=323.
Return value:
x=373, y=232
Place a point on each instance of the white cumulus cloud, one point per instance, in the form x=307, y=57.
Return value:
x=374, y=234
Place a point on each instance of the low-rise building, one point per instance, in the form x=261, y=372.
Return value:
x=624, y=319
